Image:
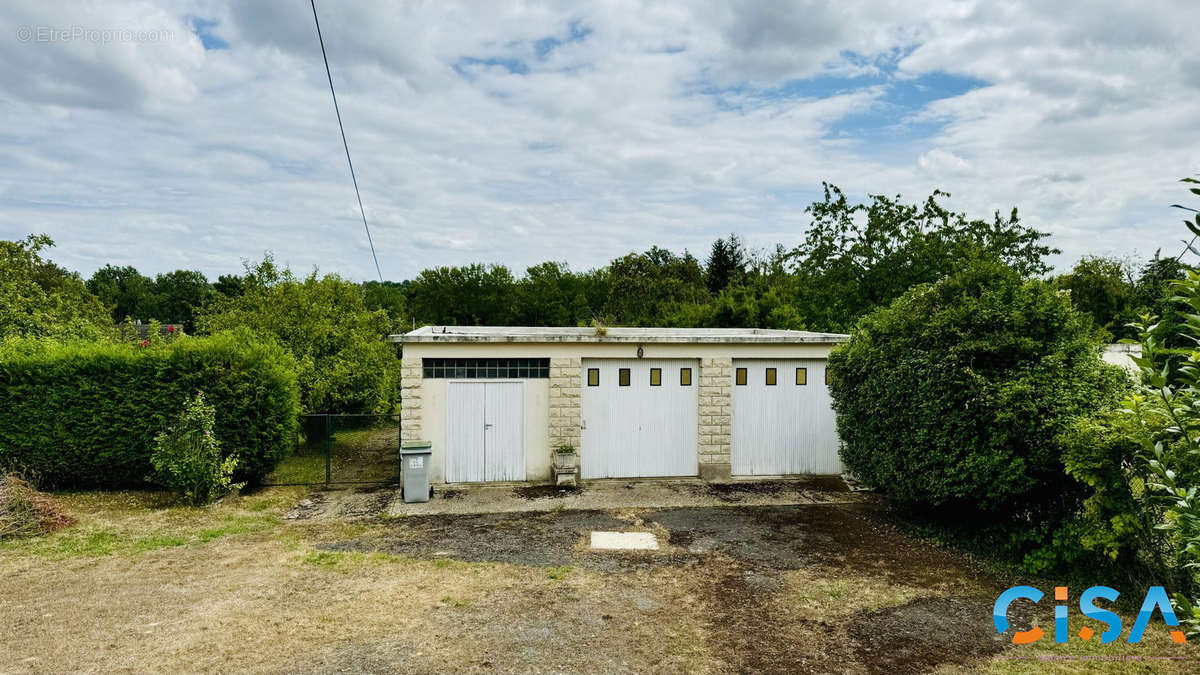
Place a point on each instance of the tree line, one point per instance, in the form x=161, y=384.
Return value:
x=855, y=258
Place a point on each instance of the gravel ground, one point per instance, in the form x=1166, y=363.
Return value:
x=458, y=499
x=746, y=564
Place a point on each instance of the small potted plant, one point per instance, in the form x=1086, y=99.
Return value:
x=565, y=457
x=565, y=461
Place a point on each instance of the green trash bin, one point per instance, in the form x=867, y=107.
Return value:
x=414, y=470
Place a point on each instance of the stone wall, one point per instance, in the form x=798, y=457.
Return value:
x=716, y=415
x=410, y=399
x=565, y=404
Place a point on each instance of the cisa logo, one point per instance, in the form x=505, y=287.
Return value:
x=1156, y=599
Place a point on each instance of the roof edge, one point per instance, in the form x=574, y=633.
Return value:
x=426, y=338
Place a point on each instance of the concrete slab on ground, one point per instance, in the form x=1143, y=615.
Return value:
x=623, y=541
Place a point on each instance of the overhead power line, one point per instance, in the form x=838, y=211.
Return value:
x=345, y=145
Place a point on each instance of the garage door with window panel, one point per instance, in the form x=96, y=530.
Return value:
x=485, y=432
x=639, y=418
x=783, y=419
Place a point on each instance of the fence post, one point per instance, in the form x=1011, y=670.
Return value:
x=328, y=450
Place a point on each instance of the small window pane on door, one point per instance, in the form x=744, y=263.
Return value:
x=623, y=377
x=740, y=378
x=656, y=377
x=770, y=377
x=685, y=377
x=593, y=377
x=801, y=376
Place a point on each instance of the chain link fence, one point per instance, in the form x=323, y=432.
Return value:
x=342, y=449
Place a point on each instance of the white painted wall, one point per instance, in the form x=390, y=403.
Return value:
x=1119, y=355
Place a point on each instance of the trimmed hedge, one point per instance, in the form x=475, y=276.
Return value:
x=84, y=415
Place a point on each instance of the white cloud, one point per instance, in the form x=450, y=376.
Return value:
x=164, y=155
x=942, y=164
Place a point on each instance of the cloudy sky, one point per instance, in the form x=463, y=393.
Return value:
x=195, y=134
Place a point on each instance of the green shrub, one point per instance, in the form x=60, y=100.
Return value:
x=187, y=456
x=952, y=399
x=86, y=415
x=1120, y=516
x=343, y=363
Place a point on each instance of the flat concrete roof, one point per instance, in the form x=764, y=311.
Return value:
x=613, y=334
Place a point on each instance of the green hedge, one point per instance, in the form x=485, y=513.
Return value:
x=85, y=415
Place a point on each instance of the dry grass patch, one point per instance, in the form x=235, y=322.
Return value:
x=143, y=585
x=253, y=605
x=828, y=598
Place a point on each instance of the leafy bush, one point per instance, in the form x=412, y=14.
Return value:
x=343, y=363
x=1166, y=408
x=86, y=415
x=187, y=456
x=1120, y=516
x=952, y=399
x=25, y=512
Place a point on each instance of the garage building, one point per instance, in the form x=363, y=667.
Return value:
x=634, y=402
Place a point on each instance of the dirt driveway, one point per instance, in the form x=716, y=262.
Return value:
x=257, y=584
x=782, y=588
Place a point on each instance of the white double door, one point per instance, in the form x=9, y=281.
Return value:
x=485, y=438
x=783, y=422
x=639, y=418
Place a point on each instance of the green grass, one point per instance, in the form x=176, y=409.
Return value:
x=95, y=540
x=457, y=603
x=303, y=469
x=128, y=523
x=357, y=454
x=345, y=561
x=558, y=573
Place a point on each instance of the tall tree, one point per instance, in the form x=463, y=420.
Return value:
x=229, y=285
x=860, y=256
x=344, y=364
x=726, y=264
x=472, y=295
x=1153, y=294
x=644, y=288
x=41, y=299
x=390, y=296
x=1102, y=288
x=180, y=296
x=551, y=295
x=127, y=293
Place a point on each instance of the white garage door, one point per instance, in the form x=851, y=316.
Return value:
x=639, y=418
x=485, y=432
x=783, y=421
